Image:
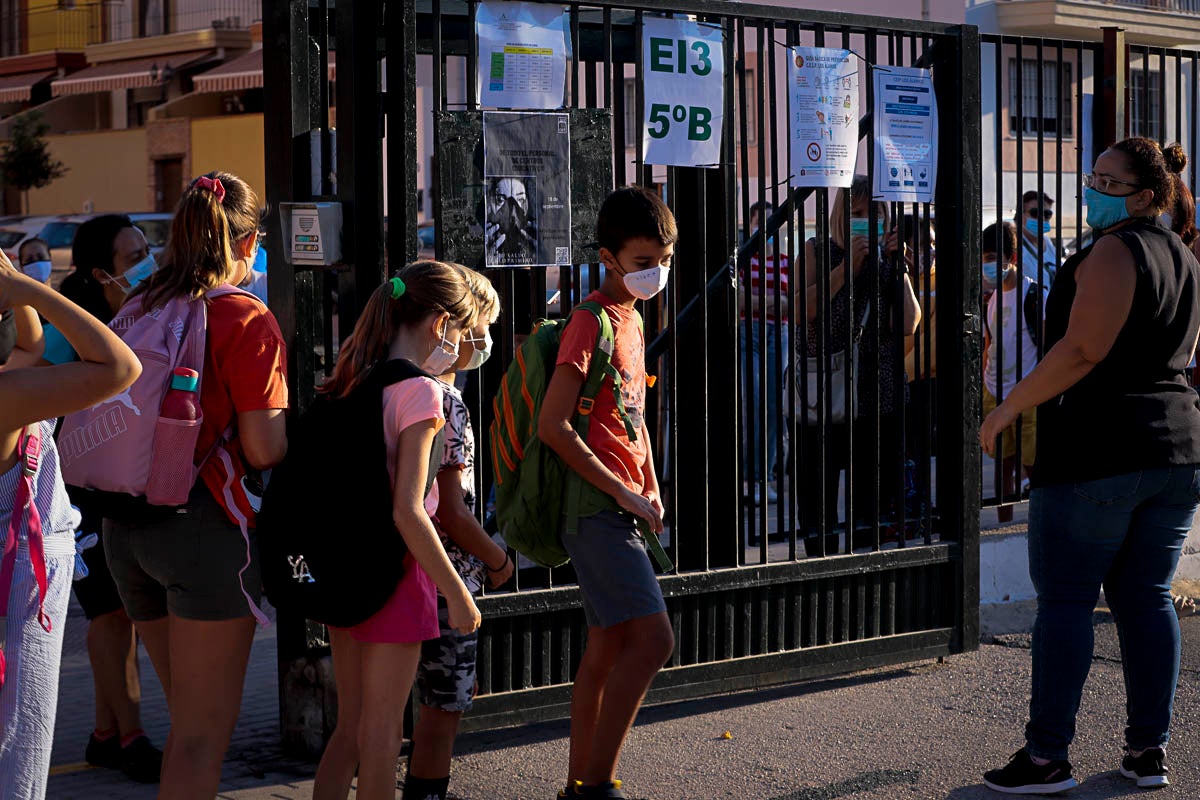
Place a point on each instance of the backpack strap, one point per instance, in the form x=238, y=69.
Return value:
x=601, y=368
x=29, y=455
x=1030, y=308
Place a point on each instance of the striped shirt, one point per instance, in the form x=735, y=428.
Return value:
x=777, y=270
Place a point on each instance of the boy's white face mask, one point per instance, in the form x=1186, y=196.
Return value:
x=645, y=284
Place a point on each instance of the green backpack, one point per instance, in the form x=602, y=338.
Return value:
x=535, y=490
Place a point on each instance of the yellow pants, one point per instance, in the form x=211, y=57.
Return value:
x=1028, y=422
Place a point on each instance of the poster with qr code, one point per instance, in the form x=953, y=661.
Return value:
x=527, y=189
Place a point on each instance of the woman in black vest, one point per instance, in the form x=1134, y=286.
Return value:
x=1116, y=480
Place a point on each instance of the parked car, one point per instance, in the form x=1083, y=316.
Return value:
x=29, y=226
x=10, y=238
x=156, y=227
x=426, y=237
x=59, y=235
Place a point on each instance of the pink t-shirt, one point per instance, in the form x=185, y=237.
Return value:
x=410, y=615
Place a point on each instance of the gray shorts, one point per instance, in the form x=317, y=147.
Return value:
x=446, y=673
x=615, y=575
x=185, y=563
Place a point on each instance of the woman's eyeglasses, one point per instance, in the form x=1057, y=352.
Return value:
x=1102, y=183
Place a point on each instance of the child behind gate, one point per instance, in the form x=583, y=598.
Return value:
x=37, y=522
x=418, y=316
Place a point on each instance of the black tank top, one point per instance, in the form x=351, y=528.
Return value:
x=1136, y=409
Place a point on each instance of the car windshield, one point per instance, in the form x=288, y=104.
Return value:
x=10, y=238
x=155, y=230
x=59, y=234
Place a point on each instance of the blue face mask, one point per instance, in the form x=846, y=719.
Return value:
x=991, y=273
x=1104, y=210
x=38, y=270
x=1037, y=226
x=138, y=273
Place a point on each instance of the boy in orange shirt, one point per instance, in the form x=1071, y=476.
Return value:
x=629, y=634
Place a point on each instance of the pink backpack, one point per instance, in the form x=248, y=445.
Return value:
x=123, y=445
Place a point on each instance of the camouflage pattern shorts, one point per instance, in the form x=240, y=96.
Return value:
x=446, y=674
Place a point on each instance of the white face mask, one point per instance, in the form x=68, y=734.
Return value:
x=480, y=355
x=443, y=358
x=646, y=283
x=38, y=270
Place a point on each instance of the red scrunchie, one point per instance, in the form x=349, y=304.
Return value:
x=213, y=185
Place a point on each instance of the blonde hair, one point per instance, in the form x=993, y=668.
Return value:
x=199, y=254
x=860, y=188
x=429, y=287
x=487, y=300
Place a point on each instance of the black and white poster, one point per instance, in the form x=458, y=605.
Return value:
x=526, y=189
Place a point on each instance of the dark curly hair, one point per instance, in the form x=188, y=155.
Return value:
x=1147, y=163
x=1183, y=215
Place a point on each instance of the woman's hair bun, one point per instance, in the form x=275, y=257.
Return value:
x=1176, y=158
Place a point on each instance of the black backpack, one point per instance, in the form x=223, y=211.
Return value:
x=328, y=544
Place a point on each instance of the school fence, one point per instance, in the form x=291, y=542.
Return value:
x=1050, y=107
x=835, y=569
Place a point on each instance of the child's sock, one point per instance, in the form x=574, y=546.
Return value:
x=104, y=736
x=426, y=788
x=131, y=737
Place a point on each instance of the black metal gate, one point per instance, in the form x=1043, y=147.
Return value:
x=751, y=601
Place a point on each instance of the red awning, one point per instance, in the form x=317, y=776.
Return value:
x=243, y=72
x=19, y=88
x=128, y=74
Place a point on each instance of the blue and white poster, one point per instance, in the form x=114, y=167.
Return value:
x=906, y=127
x=822, y=116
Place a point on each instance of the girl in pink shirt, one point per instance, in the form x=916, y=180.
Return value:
x=419, y=316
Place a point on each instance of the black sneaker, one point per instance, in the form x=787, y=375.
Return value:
x=105, y=754
x=141, y=761
x=1022, y=776
x=1149, y=769
x=604, y=791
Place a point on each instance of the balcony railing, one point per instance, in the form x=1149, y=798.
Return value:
x=1173, y=6
x=77, y=28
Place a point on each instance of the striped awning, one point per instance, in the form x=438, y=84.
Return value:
x=19, y=88
x=127, y=74
x=243, y=72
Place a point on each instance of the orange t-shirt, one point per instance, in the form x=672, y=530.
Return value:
x=607, y=437
x=245, y=369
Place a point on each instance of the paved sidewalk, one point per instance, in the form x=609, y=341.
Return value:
x=922, y=731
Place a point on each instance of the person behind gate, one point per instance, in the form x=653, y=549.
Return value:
x=39, y=543
x=418, y=316
x=629, y=635
x=446, y=672
x=1117, y=473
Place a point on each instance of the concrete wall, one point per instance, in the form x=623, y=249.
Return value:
x=233, y=144
x=113, y=182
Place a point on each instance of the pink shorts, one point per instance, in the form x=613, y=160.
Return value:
x=410, y=614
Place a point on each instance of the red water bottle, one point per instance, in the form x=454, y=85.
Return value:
x=181, y=401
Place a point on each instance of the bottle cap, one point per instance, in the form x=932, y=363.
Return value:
x=184, y=379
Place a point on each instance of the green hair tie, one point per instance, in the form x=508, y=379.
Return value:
x=398, y=288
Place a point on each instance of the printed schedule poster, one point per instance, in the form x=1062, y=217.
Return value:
x=822, y=116
x=684, y=67
x=905, y=135
x=526, y=189
x=522, y=55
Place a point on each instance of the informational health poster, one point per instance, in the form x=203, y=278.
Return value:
x=526, y=189
x=684, y=67
x=522, y=55
x=822, y=115
x=906, y=127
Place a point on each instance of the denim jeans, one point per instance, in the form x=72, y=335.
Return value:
x=1125, y=533
x=753, y=404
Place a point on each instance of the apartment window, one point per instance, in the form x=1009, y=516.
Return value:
x=1145, y=114
x=1055, y=116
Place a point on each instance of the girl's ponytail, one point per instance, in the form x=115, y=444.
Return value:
x=415, y=291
